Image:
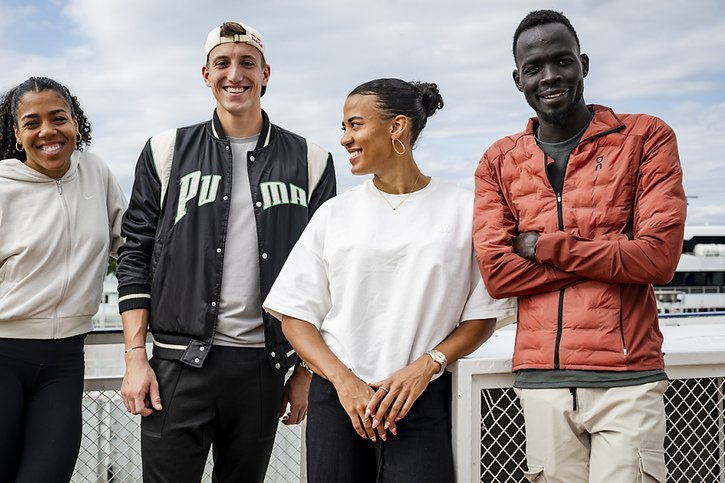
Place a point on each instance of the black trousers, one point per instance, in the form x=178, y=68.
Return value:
x=422, y=451
x=41, y=385
x=231, y=404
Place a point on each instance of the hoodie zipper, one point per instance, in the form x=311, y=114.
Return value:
x=66, y=239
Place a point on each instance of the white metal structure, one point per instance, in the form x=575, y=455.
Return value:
x=488, y=432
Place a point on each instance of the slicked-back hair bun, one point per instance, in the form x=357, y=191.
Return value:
x=415, y=100
x=432, y=99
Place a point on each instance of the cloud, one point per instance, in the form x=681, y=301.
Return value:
x=136, y=67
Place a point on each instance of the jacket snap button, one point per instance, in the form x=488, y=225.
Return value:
x=196, y=360
x=277, y=366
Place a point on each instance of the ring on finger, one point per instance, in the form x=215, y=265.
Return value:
x=385, y=389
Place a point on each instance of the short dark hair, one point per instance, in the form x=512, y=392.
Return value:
x=9, y=111
x=543, y=17
x=415, y=100
x=230, y=29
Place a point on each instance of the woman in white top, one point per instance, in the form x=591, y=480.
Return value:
x=60, y=218
x=381, y=292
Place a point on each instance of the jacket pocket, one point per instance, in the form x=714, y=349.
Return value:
x=652, y=467
x=535, y=474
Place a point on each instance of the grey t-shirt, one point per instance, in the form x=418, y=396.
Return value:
x=240, y=308
x=559, y=152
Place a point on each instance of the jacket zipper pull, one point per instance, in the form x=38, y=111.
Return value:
x=558, y=197
x=59, y=184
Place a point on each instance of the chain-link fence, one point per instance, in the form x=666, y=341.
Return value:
x=111, y=449
x=695, y=441
x=694, y=444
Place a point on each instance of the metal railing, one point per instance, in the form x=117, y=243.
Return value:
x=111, y=447
x=693, y=289
x=693, y=443
x=488, y=422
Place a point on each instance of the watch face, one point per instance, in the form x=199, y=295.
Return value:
x=438, y=356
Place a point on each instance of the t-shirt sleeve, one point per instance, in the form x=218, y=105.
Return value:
x=302, y=288
x=480, y=305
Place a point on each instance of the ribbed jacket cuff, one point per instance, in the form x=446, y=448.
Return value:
x=133, y=297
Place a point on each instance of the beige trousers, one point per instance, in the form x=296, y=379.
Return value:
x=615, y=435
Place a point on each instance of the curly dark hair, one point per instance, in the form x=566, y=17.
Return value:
x=415, y=100
x=9, y=111
x=543, y=17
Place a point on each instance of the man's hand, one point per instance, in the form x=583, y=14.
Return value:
x=295, y=393
x=140, y=390
x=525, y=245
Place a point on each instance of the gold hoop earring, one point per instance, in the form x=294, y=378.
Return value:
x=402, y=146
x=18, y=146
x=78, y=138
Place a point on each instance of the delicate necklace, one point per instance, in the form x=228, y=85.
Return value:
x=405, y=198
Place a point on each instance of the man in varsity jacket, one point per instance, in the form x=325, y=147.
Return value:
x=215, y=209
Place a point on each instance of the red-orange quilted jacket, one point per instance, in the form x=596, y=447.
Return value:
x=587, y=302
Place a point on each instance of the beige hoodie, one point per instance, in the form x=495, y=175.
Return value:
x=55, y=239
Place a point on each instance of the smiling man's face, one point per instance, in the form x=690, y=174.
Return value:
x=550, y=71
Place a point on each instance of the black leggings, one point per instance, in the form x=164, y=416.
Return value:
x=40, y=409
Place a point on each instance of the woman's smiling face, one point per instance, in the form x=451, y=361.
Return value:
x=367, y=135
x=47, y=130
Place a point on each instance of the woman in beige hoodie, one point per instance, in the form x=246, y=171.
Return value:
x=60, y=214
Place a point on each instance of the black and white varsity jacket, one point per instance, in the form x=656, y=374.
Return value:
x=176, y=226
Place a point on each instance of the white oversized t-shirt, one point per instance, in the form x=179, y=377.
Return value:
x=385, y=286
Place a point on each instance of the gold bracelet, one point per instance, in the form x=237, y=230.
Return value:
x=132, y=348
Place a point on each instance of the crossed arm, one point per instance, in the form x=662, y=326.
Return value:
x=517, y=264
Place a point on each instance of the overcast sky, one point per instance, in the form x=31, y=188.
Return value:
x=135, y=66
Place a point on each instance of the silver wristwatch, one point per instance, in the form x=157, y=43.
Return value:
x=440, y=358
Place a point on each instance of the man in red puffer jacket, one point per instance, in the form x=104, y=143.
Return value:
x=578, y=216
